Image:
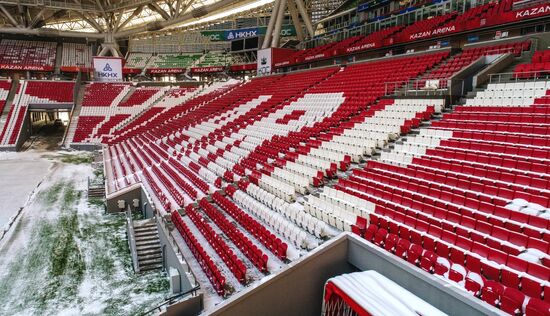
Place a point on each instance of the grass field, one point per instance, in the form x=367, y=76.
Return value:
x=66, y=257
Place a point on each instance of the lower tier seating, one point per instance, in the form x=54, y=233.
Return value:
x=33, y=92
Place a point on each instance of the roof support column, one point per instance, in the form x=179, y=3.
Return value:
x=305, y=17
x=278, y=23
x=295, y=19
x=271, y=24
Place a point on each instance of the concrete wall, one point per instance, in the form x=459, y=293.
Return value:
x=128, y=195
x=298, y=289
x=189, y=306
x=171, y=258
x=86, y=147
x=439, y=293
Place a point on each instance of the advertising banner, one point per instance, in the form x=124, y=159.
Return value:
x=230, y=35
x=264, y=62
x=166, y=70
x=107, y=69
x=241, y=33
x=214, y=36
x=210, y=69
x=26, y=67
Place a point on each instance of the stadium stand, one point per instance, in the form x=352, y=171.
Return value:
x=33, y=92
x=214, y=59
x=76, y=55
x=539, y=66
x=99, y=118
x=172, y=61
x=469, y=55
x=5, y=86
x=465, y=199
x=31, y=55
x=138, y=60
x=255, y=174
x=221, y=138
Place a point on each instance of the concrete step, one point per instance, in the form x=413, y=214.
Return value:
x=143, y=263
x=145, y=227
x=145, y=233
x=151, y=267
x=144, y=247
x=144, y=260
x=141, y=240
x=147, y=243
x=149, y=252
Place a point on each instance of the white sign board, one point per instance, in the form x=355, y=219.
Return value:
x=107, y=69
x=264, y=62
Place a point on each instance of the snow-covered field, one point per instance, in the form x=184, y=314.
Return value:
x=19, y=175
x=63, y=255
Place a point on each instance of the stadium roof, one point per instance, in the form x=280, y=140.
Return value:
x=89, y=18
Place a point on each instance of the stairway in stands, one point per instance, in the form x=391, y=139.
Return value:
x=148, y=248
x=73, y=123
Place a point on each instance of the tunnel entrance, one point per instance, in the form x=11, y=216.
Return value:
x=46, y=129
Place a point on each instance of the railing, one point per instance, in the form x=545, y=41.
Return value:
x=530, y=76
x=132, y=239
x=170, y=301
x=423, y=87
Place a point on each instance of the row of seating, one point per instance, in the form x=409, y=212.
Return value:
x=466, y=57
x=76, y=55
x=28, y=53
x=278, y=223
x=234, y=264
x=289, y=211
x=466, y=273
x=33, y=92
x=245, y=245
x=538, y=67
x=510, y=94
x=5, y=86
x=205, y=261
x=262, y=234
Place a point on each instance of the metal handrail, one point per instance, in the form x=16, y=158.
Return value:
x=417, y=87
x=170, y=300
x=517, y=76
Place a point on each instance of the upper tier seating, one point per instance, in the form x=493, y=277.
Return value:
x=372, y=40
x=539, y=66
x=469, y=55
x=172, y=61
x=138, y=60
x=214, y=59
x=28, y=53
x=484, y=15
x=426, y=25
x=76, y=55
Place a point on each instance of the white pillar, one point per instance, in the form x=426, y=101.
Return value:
x=272, y=18
x=305, y=17
x=278, y=24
